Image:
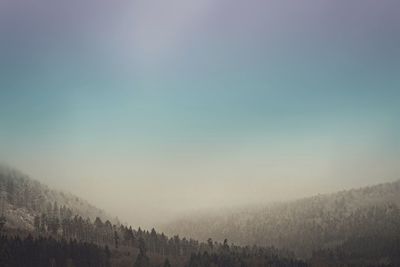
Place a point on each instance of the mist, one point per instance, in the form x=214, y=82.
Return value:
x=153, y=110
x=148, y=190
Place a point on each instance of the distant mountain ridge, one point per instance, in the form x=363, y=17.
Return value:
x=22, y=198
x=304, y=225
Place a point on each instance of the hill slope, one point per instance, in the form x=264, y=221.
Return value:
x=304, y=226
x=45, y=227
x=22, y=198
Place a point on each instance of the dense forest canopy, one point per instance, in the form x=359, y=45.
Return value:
x=103, y=242
x=305, y=225
x=358, y=227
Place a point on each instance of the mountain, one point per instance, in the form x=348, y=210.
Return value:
x=23, y=198
x=358, y=227
x=303, y=226
x=45, y=227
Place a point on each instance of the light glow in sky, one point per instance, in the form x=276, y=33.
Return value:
x=179, y=105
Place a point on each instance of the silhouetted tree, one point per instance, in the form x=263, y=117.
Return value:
x=116, y=238
x=142, y=260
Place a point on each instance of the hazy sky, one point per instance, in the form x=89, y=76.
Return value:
x=151, y=108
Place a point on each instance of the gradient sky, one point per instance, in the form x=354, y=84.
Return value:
x=153, y=108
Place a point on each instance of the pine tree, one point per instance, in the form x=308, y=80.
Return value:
x=116, y=238
x=142, y=260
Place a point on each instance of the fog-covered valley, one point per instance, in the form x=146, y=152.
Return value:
x=321, y=230
x=189, y=133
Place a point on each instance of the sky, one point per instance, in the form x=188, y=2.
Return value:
x=150, y=109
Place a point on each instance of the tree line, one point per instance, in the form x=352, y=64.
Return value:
x=305, y=225
x=60, y=222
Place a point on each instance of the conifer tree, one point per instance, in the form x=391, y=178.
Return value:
x=142, y=260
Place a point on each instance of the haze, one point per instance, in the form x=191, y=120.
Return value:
x=150, y=109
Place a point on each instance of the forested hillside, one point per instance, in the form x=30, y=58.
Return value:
x=44, y=227
x=359, y=227
x=23, y=198
x=304, y=226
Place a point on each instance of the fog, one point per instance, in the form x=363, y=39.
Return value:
x=151, y=109
x=152, y=189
